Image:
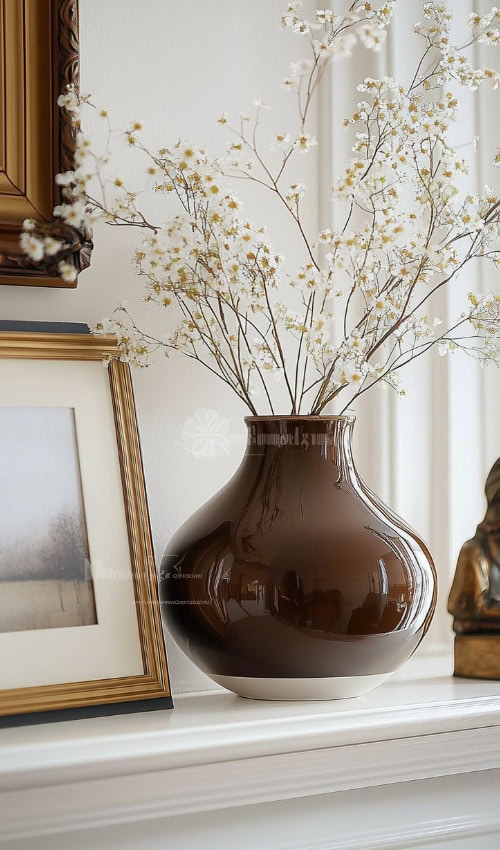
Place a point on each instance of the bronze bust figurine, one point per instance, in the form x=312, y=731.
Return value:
x=474, y=599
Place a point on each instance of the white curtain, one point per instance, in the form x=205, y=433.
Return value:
x=427, y=455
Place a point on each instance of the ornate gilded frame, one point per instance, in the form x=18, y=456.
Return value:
x=40, y=57
x=154, y=682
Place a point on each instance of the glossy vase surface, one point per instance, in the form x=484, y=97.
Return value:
x=294, y=581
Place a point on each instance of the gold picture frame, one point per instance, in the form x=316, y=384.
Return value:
x=39, y=45
x=65, y=369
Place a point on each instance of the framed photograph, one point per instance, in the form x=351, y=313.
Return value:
x=80, y=624
x=39, y=46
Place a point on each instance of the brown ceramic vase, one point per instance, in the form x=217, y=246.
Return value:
x=294, y=581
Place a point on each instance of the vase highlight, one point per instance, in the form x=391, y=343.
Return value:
x=295, y=581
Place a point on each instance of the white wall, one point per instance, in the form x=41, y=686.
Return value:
x=177, y=65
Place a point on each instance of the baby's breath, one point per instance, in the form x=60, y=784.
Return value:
x=409, y=229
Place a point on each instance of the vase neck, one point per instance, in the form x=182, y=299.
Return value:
x=320, y=438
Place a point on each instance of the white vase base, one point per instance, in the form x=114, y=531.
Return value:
x=324, y=688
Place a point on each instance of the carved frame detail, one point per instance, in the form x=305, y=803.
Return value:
x=39, y=40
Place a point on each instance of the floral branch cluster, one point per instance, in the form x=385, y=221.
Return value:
x=360, y=306
x=57, y=247
x=62, y=249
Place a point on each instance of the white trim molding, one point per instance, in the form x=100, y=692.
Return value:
x=216, y=753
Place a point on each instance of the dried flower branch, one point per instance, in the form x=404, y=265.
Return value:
x=235, y=308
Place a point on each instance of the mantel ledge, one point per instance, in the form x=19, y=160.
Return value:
x=211, y=727
x=216, y=751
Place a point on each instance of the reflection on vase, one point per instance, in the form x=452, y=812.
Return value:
x=295, y=570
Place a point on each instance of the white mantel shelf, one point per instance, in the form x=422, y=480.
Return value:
x=215, y=752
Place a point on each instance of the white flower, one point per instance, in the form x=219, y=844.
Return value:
x=280, y=141
x=32, y=246
x=52, y=246
x=291, y=84
x=380, y=306
x=372, y=37
x=343, y=45
x=305, y=142
x=296, y=192
x=348, y=373
x=324, y=48
x=67, y=271
x=263, y=356
x=353, y=374
x=71, y=213
x=67, y=178
x=69, y=101
x=385, y=12
x=326, y=16
x=301, y=27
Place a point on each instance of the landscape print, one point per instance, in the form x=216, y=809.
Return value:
x=45, y=579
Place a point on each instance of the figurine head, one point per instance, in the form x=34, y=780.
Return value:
x=492, y=487
x=491, y=522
